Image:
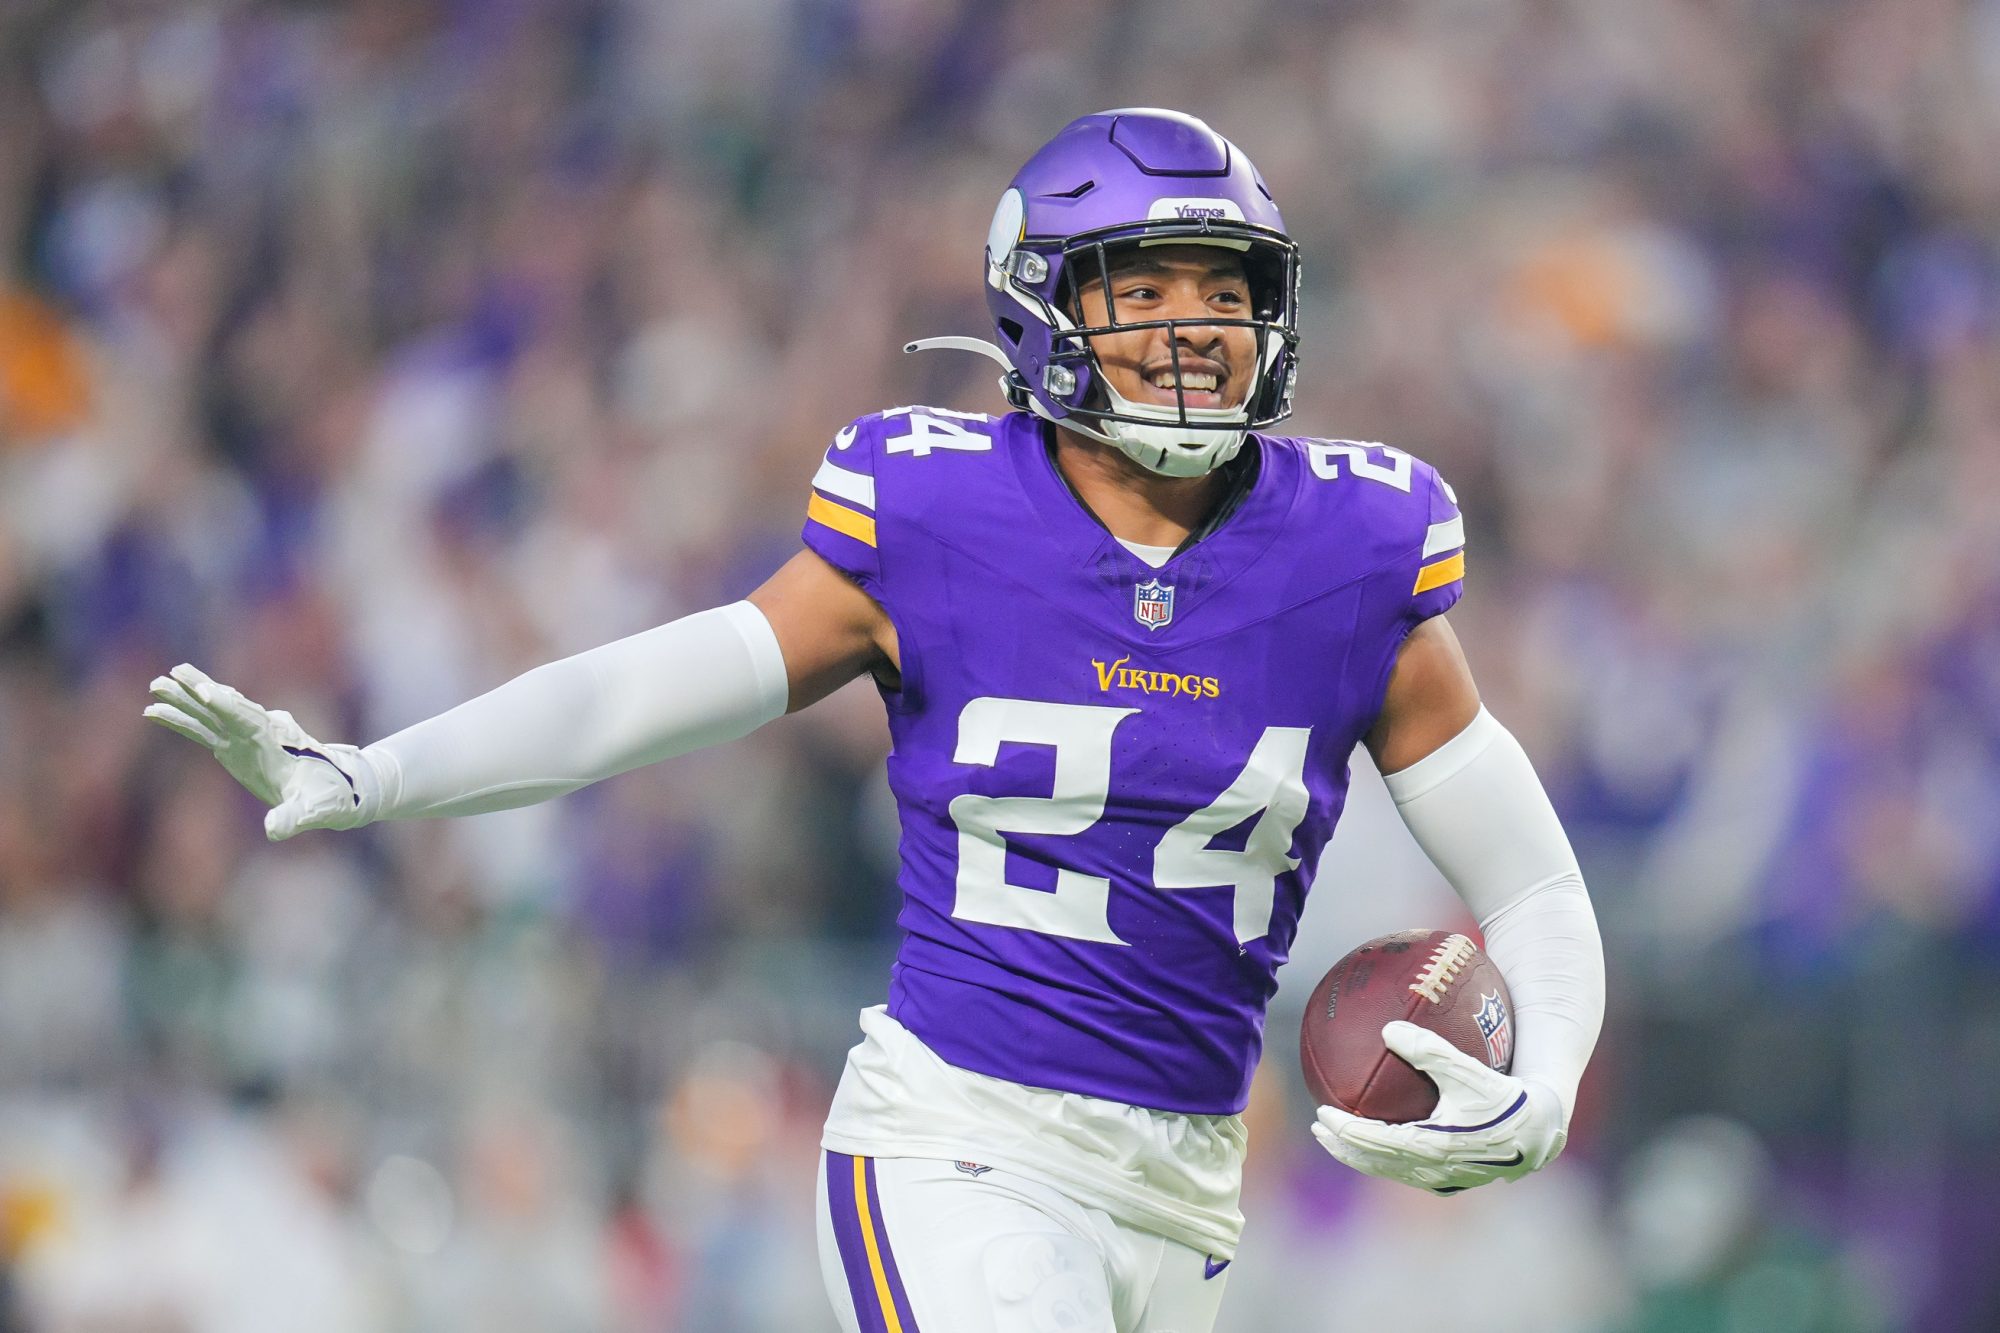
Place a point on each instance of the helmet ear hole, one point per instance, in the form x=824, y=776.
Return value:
x=1011, y=330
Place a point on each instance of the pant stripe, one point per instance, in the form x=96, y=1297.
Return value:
x=880, y=1303
x=900, y=1298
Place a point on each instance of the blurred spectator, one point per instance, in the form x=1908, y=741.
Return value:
x=1709, y=1250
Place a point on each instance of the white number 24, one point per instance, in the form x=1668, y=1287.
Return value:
x=1270, y=787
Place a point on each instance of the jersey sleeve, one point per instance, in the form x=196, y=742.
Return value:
x=1439, y=575
x=840, y=509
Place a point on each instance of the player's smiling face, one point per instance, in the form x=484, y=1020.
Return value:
x=1184, y=282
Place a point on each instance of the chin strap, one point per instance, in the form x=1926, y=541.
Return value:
x=1160, y=453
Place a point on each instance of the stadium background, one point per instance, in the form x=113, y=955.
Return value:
x=366, y=354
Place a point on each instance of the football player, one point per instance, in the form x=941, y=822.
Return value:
x=1127, y=641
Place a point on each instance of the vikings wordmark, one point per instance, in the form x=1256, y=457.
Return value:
x=1115, y=675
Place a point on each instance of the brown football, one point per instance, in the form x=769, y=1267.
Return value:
x=1435, y=979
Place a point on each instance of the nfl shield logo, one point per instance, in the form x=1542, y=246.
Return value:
x=1498, y=1031
x=1153, y=604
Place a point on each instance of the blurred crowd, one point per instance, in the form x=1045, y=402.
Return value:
x=367, y=353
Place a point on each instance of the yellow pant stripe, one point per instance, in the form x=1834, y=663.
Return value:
x=875, y=1268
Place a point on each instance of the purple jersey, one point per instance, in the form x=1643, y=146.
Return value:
x=1114, y=781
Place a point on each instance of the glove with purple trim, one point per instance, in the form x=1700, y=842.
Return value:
x=310, y=785
x=1487, y=1126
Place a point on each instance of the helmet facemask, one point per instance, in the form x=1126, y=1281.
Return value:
x=1136, y=176
x=1177, y=440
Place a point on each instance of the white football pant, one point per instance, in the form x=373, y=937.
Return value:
x=911, y=1245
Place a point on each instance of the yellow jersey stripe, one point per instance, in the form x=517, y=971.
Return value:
x=841, y=519
x=1439, y=574
x=875, y=1269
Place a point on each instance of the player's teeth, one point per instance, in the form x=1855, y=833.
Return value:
x=1192, y=380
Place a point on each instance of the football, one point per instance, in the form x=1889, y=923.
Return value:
x=1436, y=979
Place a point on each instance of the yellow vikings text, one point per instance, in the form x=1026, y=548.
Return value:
x=1117, y=676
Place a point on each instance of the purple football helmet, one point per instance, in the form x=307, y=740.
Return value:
x=1130, y=177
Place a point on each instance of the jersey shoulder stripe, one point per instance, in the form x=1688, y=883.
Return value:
x=1440, y=572
x=1446, y=536
x=843, y=504
x=847, y=522
x=886, y=478
x=1395, y=511
x=1440, y=561
x=857, y=488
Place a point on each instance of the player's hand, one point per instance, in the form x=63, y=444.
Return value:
x=1488, y=1125
x=308, y=785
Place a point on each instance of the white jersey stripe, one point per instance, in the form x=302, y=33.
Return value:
x=853, y=487
x=1446, y=536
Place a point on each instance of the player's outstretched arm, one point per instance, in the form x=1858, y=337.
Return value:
x=694, y=682
x=829, y=630
x=1469, y=795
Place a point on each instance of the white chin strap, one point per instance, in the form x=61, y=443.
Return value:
x=1161, y=445
x=1167, y=447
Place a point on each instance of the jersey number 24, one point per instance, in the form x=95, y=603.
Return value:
x=1271, y=787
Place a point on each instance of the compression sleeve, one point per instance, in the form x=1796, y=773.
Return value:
x=693, y=682
x=1477, y=809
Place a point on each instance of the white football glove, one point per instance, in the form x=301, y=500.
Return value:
x=308, y=784
x=1488, y=1125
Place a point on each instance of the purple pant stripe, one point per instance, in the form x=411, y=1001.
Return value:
x=896, y=1292
x=847, y=1235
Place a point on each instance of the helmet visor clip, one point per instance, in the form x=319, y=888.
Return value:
x=1028, y=267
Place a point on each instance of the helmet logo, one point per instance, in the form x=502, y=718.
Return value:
x=1195, y=210
x=1010, y=223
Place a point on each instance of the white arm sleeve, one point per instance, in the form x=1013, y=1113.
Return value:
x=696, y=681
x=1478, y=810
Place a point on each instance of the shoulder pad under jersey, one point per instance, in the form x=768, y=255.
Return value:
x=863, y=477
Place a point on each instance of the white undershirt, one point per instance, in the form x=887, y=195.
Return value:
x=1152, y=555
